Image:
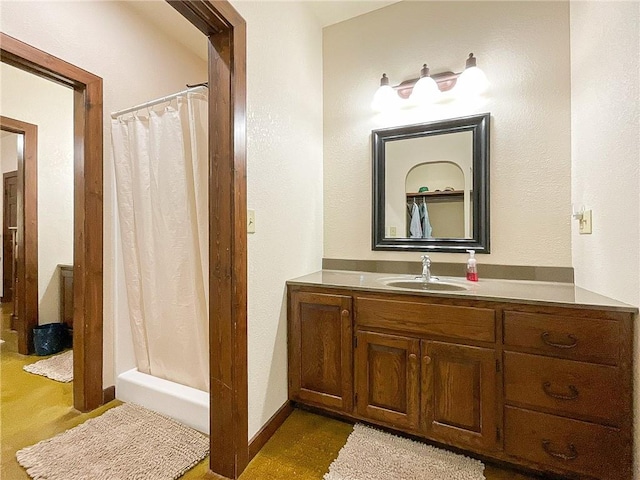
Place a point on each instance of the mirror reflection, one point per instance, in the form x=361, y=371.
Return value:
x=428, y=187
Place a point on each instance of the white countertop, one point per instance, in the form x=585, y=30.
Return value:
x=547, y=293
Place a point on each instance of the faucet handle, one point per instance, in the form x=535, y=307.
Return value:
x=426, y=259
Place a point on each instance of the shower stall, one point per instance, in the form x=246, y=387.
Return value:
x=160, y=152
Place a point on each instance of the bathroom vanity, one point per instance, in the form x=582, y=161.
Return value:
x=535, y=374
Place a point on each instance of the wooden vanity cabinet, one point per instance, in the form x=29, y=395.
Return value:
x=544, y=387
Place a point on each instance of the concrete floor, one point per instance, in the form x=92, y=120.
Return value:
x=33, y=408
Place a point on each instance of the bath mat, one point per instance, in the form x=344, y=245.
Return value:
x=370, y=454
x=127, y=442
x=58, y=368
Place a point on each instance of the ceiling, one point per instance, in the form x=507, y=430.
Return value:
x=168, y=20
x=329, y=12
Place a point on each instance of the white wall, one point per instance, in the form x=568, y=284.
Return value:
x=8, y=163
x=49, y=106
x=605, y=155
x=284, y=156
x=137, y=62
x=523, y=47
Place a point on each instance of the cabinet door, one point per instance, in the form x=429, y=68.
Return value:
x=459, y=404
x=321, y=350
x=387, y=378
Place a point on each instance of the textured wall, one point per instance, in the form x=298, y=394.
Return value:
x=31, y=99
x=284, y=156
x=605, y=124
x=137, y=62
x=523, y=47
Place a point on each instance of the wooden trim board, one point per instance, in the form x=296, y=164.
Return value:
x=226, y=31
x=109, y=394
x=260, y=439
x=88, y=210
x=26, y=294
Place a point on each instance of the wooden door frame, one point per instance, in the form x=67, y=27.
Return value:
x=26, y=294
x=88, y=211
x=226, y=31
x=5, y=229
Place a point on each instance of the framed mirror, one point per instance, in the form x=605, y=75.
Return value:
x=431, y=186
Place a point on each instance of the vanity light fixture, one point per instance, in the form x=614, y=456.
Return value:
x=472, y=81
x=426, y=89
x=385, y=97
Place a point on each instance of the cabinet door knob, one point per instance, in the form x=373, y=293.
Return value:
x=427, y=359
x=345, y=313
x=413, y=357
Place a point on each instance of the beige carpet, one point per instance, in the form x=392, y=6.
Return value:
x=370, y=454
x=127, y=442
x=59, y=367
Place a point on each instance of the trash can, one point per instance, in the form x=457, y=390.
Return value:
x=49, y=339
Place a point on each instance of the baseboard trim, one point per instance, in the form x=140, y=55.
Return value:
x=108, y=394
x=266, y=432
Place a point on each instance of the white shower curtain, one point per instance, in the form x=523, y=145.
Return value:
x=161, y=164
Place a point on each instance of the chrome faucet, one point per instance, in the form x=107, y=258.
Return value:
x=426, y=268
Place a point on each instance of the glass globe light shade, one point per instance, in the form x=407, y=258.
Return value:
x=425, y=91
x=472, y=81
x=385, y=99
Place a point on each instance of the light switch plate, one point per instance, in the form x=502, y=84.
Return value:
x=585, y=222
x=392, y=231
x=251, y=221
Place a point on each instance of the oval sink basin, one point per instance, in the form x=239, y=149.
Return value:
x=428, y=286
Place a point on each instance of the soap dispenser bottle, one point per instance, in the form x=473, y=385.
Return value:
x=472, y=267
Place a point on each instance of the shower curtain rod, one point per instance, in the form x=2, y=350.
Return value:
x=158, y=101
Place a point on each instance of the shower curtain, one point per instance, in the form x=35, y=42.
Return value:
x=161, y=165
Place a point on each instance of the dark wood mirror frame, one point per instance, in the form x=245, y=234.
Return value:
x=479, y=126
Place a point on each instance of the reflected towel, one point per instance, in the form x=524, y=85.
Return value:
x=426, y=224
x=415, y=229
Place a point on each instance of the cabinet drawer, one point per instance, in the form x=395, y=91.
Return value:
x=591, y=340
x=425, y=319
x=585, y=390
x=566, y=444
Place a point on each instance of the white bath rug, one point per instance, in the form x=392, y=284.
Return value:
x=58, y=368
x=1, y=341
x=127, y=442
x=370, y=454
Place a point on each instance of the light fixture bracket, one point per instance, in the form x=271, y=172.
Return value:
x=445, y=81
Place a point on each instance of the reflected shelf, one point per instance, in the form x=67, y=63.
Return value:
x=442, y=196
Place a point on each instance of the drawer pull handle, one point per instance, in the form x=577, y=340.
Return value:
x=345, y=313
x=546, y=386
x=574, y=341
x=572, y=455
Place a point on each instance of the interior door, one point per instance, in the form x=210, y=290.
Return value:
x=10, y=219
